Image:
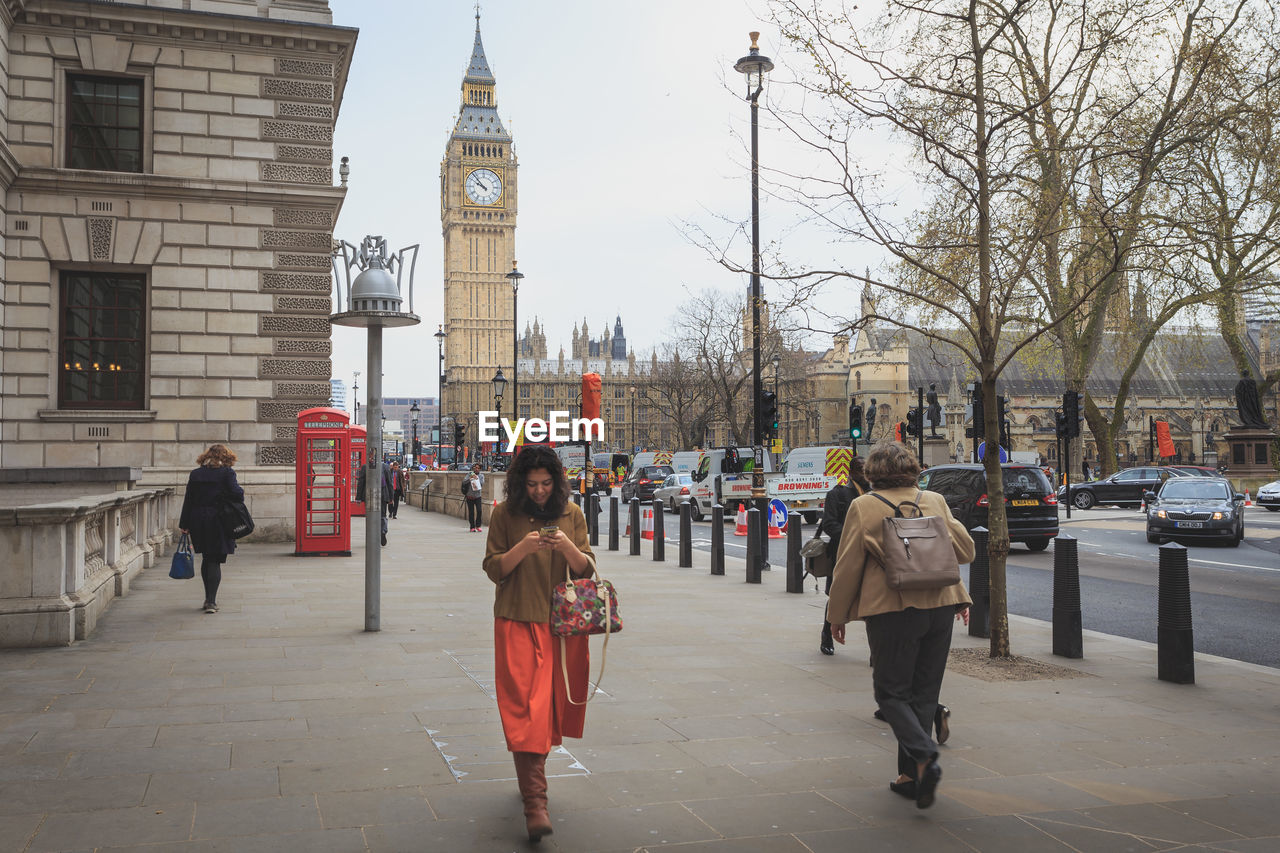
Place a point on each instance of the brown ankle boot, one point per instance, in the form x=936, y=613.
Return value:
x=531, y=775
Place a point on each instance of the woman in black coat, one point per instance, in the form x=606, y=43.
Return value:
x=208, y=487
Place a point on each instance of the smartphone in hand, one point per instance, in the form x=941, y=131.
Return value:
x=548, y=530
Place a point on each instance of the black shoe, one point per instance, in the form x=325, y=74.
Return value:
x=384, y=539
x=904, y=789
x=879, y=715
x=941, y=724
x=927, y=786
x=827, y=648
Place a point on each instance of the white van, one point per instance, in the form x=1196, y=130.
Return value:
x=808, y=473
x=723, y=476
x=686, y=461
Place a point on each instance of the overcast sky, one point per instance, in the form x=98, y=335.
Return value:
x=628, y=120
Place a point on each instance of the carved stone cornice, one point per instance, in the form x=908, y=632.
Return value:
x=150, y=186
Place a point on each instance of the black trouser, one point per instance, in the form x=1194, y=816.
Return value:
x=473, y=511
x=910, y=650
x=826, y=624
x=211, y=574
x=395, y=505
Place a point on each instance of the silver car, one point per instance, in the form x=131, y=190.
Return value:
x=673, y=491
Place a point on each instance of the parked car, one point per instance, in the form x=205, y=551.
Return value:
x=1195, y=508
x=1269, y=496
x=644, y=480
x=1031, y=505
x=673, y=491
x=1197, y=470
x=1123, y=488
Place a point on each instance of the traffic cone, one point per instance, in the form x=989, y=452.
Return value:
x=740, y=528
x=646, y=523
x=775, y=530
x=1248, y=500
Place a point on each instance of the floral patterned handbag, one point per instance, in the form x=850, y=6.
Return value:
x=584, y=606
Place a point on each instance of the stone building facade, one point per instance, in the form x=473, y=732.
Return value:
x=169, y=201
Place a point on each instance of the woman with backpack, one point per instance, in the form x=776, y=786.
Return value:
x=909, y=630
x=472, y=490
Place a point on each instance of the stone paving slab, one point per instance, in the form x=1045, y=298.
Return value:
x=279, y=724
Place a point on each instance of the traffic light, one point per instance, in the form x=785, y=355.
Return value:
x=1061, y=424
x=913, y=423
x=1002, y=413
x=1071, y=413
x=459, y=435
x=769, y=411
x=979, y=415
x=900, y=432
x=417, y=447
x=855, y=421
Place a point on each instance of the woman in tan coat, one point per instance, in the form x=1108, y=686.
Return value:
x=536, y=538
x=909, y=631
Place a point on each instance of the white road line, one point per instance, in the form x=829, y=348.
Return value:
x=1233, y=565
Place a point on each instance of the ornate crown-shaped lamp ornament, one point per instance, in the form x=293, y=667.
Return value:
x=373, y=299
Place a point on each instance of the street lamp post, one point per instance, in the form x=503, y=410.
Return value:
x=413, y=447
x=633, y=419
x=439, y=336
x=374, y=302
x=515, y=276
x=776, y=363
x=499, y=385
x=753, y=66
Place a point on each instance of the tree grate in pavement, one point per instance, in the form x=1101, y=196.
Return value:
x=481, y=758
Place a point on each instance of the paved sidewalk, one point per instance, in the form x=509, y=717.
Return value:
x=278, y=724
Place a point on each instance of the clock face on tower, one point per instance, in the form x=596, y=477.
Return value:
x=484, y=186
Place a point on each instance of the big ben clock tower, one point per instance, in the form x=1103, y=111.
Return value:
x=478, y=217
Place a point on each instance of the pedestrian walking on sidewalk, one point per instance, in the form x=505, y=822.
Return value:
x=909, y=630
x=474, y=488
x=386, y=493
x=834, y=507
x=536, y=536
x=397, y=489
x=208, y=487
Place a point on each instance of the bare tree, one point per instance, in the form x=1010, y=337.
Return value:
x=682, y=396
x=937, y=76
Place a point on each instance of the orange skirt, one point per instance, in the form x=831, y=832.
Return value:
x=536, y=713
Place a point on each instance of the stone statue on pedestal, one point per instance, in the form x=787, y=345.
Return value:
x=1247, y=403
x=934, y=412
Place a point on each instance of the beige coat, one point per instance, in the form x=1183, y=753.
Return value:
x=858, y=587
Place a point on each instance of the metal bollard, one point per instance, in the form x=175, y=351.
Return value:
x=762, y=521
x=980, y=586
x=717, y=540
x=613, y=522
x=659, y=532
x=593, y=520
x=1175, y=649
x=1068, y=632
x=753, y=545
x=577, y=500
x=795, y=563
x=686, y=535
x=635, y=527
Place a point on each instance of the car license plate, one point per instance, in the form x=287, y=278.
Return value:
x=1026, y=503
x=1189, y=524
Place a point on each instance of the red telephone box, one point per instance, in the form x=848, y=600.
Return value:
x=324, y=481
x=358, y=441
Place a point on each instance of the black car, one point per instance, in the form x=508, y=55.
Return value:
x=1031, y=505
x=644, y=481
x=1196, y=508
x=1123, y=488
